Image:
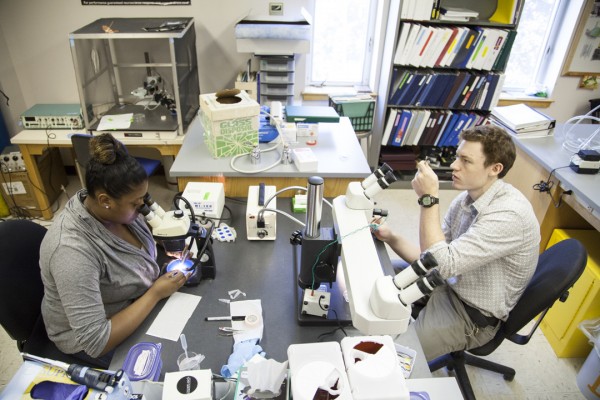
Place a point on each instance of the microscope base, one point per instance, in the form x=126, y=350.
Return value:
x=338, y=304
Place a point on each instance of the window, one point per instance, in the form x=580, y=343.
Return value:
x=342, y=42
x=541, y=45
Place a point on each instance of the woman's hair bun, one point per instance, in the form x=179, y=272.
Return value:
x=105, y=149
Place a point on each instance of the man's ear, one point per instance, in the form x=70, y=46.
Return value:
x=496, y=169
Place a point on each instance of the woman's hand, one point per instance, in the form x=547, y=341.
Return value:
x=168, y=283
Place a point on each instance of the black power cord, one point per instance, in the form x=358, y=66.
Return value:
x=546, y=187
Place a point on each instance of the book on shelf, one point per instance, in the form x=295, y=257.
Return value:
x=467, y=47
x=392, y=122
x=502, y=58
x=522, y=118
x=418, y=9
x=402, y=128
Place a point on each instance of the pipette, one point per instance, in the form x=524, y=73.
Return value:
x=81, y=374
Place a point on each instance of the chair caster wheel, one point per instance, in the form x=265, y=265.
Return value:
x=508, y=378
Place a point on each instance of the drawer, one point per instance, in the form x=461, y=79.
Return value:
x=277, y=89
x=276, y=77
x=277, y=64
x=267, y=99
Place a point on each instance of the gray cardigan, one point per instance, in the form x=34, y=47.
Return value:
x=89, y=274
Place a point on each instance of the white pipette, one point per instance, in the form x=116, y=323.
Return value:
x=184, y=344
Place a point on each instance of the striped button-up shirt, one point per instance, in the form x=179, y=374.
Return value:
x=491, y=248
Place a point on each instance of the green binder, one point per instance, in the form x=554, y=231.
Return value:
x=311, y=114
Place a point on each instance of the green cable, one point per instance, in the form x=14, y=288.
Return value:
x=372, y=226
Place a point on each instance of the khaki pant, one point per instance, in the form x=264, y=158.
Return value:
x=443, y=326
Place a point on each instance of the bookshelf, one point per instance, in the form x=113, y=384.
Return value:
x=439, y=77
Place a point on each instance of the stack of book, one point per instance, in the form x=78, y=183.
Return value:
x=411, y=127
x=523, y=121
x=452, y=89
x=470, y=47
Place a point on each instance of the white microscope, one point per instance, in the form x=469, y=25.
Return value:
x=379, y=304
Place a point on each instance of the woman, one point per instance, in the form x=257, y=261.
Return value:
x=97, y=260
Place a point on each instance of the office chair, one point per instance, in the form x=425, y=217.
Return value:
x=557, y=270
x=81, y=143
x=22, y=290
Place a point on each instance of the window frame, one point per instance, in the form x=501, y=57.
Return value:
x=557, y=41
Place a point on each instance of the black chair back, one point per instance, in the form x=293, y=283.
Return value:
x=21, y=287
x=557, y=270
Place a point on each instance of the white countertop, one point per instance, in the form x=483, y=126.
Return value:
x=338, y=152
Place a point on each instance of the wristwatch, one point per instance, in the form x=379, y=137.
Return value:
x=428, y=200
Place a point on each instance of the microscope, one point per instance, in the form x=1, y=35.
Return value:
x=177, y=233
x=379, y=304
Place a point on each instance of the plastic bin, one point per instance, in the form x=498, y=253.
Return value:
x=360, y=112
x=588, y=378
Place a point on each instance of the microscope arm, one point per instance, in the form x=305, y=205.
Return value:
x=374, y=302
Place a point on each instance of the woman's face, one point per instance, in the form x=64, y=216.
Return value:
x=126, y=209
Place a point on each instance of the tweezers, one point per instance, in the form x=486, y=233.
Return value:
x=228, y=331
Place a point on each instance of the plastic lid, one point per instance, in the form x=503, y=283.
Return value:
x=143, y=362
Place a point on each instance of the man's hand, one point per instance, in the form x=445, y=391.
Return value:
x=381, y=231
x=425, y=180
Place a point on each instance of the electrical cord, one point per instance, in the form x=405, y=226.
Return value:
x=573, y=145
x=293, y=188
x=259, y=215
x=546, y=187
x=339, y=328
x=276, y=163
x=338, y=240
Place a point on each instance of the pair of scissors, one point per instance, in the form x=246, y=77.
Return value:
x=228, y=331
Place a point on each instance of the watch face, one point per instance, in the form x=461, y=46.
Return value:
x=428, y=200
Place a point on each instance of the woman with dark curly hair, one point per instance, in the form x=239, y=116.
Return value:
x=98, y=259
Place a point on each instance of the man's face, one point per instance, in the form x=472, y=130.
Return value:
x=468, y=170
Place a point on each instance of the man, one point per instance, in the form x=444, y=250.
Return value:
x=487, y=245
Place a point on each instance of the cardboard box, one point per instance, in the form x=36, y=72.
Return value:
x=229, y=128
x=18, y=191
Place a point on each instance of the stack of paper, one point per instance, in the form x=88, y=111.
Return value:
x=523, y=120
x=457, y=14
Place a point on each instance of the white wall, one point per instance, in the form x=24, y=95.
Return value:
x=35, y=58
x=569, y=99
x=36, y=65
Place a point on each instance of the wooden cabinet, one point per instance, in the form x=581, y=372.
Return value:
x=560, y=325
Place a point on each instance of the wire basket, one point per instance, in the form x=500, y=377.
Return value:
x=360, y=112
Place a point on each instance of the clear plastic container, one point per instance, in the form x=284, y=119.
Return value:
x=143, y=362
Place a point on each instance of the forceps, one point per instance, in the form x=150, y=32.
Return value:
x=228, y=331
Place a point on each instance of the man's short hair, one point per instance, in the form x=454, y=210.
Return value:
x=498, y=146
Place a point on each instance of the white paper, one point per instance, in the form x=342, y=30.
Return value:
x=118, y=121
x=247, y=307
x=171, y=320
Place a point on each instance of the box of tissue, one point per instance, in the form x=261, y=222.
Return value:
x=242, y=388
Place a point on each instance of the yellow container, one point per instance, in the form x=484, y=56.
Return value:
x=560, y=325
x=4, y=211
